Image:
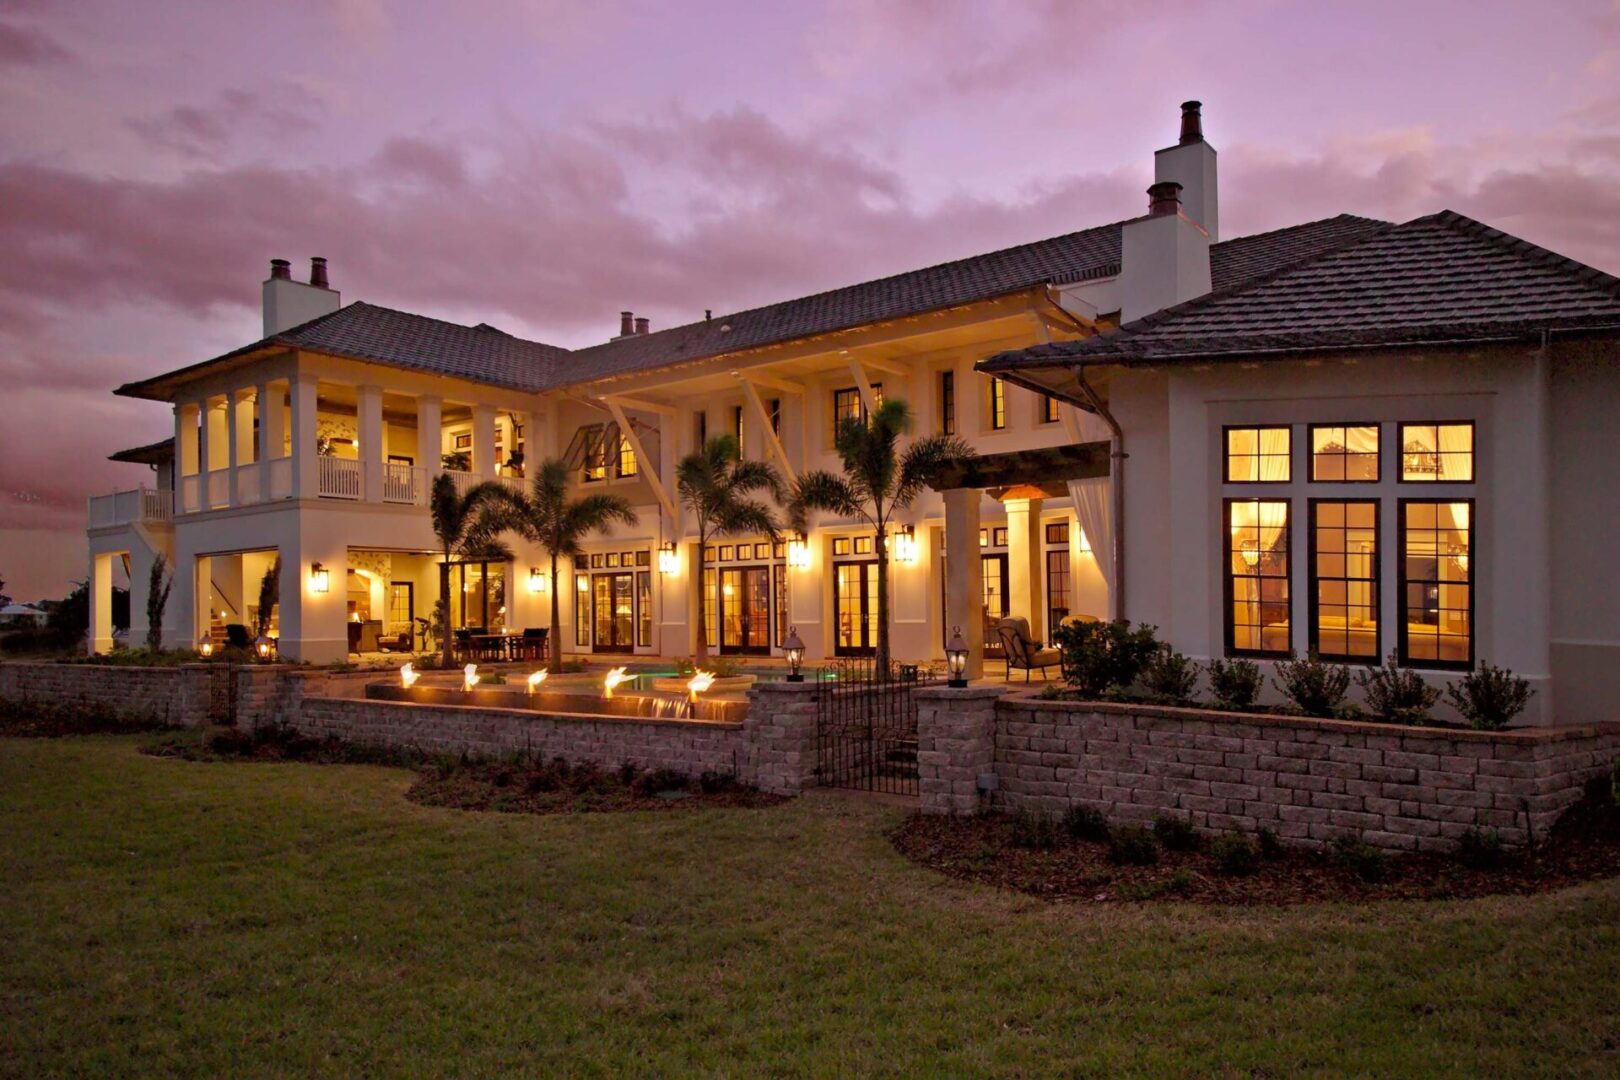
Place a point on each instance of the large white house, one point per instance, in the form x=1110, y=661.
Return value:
x=1348, y=436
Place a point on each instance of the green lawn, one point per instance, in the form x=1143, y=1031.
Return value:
x=163, y=917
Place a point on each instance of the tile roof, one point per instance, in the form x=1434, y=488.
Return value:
x=156, y=453
x=1435, y=279
x=485, y=354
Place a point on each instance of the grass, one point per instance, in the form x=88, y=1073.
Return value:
x=162, y=917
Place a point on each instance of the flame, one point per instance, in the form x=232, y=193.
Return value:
x=613, y=678
x=700, y=681
x=537, y=678
x=469, y=677
x=408, y=675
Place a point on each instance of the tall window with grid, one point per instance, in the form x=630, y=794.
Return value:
x=1257, y=577
x=1437, y=583
x=1344, y=579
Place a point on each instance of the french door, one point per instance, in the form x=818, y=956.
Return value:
x=855, y=584
x=745, y=609
x=993, y=570
x=613, y=601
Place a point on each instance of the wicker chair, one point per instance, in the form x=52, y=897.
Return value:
x=1021, y=651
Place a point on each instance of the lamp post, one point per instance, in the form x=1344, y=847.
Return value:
x=265, y=648
x=793, y=649
x=205, y=647
x=956, y=658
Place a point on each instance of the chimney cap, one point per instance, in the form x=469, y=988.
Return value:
x=626, y=323
x=281, y=269
x=317, y=272
x=1164, y=198
x=1192, y=122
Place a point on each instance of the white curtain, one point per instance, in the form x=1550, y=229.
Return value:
x=1274, y=453
x=1094, y=500
x=1456, y=452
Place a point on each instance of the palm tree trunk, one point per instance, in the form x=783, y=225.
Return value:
x=700, y=651
x=555, y=647
x=444, y=598
x=883, y=605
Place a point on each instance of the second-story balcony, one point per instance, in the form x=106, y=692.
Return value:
x=145, y=506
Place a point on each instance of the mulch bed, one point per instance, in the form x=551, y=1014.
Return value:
x=557, y=788
x=1585, y=844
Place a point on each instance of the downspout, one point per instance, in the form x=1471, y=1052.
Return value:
x=1116, y=456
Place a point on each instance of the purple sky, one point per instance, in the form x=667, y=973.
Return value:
x=542, y=165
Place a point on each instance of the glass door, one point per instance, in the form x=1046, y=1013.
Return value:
x=856, y=585
x=745, y=609
x=994, y=569
x=613, y=603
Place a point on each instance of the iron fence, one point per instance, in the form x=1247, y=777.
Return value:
x=866, y=726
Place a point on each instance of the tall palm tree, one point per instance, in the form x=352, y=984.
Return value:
x=878, y=481
x=545, y=515
x=466, y=526
x=715, y=483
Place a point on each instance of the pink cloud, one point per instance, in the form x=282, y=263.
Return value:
x=27, y=46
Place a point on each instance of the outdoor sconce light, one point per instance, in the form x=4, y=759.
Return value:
x=1085, y=543
x=666, y=557
x=956, y=657
x=582, y=583
x=537, y=580
x=905, y=544
x=798, y=552
x=320, y=578
x=205, y=648
x=265, y=647
x=793, y=649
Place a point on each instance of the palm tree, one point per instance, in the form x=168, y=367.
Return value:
x=715, y=483
x=548, y=517
x=878, y=481
x=467, y=526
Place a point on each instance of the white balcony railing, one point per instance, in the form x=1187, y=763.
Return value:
x=127, y=507
x=219, y=487
x=403, y=483
x=281, y=477
x=247, y=484
x=339, y=478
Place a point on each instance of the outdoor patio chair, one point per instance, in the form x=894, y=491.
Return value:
x=1021, y=651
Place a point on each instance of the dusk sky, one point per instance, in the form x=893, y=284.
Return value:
x=540, y=166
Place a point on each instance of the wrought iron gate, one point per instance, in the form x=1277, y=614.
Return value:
x=222, y=694
x=866, y=726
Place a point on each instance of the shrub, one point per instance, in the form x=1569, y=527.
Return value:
x=1599, y=790
x=1397, y=695
x=1170, y=677
x=721, y=667
x=1234, y=854
x=1360, y=858
x=1235, y=683
x=1035, y=829
x=1132, y=845
x=1315, y=686
x=714, y=783
x=1479, y=850
x=1490, y=697
x=1104, y=657
x=653, y=781
x=1270, y=846
x=1085, y=823
x=1175, y=833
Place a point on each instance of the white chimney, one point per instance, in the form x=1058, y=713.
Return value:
x=1164, y=258
x=1191, y=163
x=289, y=303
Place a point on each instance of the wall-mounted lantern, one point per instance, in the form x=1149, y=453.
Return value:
x=537, y=580
x=905, y=544
x=667, y=563
x=798, y=552
x=320, y=578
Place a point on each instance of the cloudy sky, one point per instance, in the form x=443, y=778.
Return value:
x=541, y=165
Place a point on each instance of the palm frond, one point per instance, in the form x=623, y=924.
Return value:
x=822, y=490
x=922, y=462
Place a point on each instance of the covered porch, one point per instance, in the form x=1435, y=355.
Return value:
x=1021, y=480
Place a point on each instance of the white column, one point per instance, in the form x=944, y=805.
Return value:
x=205, y=451
x=371, y=443
x=430, y=435
x=100, y=637
x=964, y=584
x=265, y=449
x=217, y=422
x=244, y=404
x=1024, y=564
x=483, y=462
x=524, y=420
x=232, y=449
x=306, y=478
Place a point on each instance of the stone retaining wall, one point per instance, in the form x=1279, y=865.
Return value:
x=173, y=695
x=772, y=746
x=1307, y=780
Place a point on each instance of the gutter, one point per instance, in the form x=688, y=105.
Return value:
x=1118, y=455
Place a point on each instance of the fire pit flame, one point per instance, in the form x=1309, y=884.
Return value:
x=408, y=676
x=537, y=678
x=613, y=678
x=469, y=677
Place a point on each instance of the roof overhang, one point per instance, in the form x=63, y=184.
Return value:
x=158, y=453
x=1047, y=468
